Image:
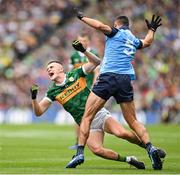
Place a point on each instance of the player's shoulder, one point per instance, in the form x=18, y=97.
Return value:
x=51, y=87
x=123, y=31
x=50, y=91
x=76, y=72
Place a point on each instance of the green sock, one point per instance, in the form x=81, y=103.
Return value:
x=142, y=145
x=121, y=158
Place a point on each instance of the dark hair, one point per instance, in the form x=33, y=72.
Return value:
x=54, y=61
x=123, y=19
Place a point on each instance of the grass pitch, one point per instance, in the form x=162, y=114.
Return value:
x=43, y=149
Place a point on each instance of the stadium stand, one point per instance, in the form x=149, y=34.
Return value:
x=33, y=32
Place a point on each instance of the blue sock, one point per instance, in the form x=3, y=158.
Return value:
x=80, y=150
x=148, y=146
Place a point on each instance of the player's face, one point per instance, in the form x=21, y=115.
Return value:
x=54, y=70
x=84, y=40
x=117, y=24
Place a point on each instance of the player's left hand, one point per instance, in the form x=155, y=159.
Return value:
x=78, y=46
x=155, y=23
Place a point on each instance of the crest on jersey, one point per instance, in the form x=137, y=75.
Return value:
x=71, y=79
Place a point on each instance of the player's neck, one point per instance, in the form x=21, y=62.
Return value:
x=61, y=79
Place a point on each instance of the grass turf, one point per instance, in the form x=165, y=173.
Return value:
x=43, y=149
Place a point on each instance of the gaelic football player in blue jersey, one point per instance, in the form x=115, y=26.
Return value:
x=115, y=77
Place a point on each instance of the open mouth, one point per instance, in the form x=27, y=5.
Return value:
x=51, y=74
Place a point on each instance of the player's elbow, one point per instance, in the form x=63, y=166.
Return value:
x=95, y=64
x=147, y=43
x=98, y=62
x=38, y=113
x=99, y=26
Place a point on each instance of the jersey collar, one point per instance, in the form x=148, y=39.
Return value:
x=124, y=27
x=63, y=83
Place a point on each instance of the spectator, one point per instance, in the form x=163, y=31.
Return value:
x=27, y=26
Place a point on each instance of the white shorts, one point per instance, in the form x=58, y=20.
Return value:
x=99, y=120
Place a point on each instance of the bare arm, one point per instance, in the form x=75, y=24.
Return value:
x=93, y=22
x=97, y=25
x=152, y=26
x=147, y=41
x=41, y=107
x=94, y=61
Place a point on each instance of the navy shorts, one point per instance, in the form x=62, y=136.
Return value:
x=116, y=85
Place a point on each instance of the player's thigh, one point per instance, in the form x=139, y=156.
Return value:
x=93, y=104
x=124, y=92
x=114, y=127
x=95, y=140
x=128, y=110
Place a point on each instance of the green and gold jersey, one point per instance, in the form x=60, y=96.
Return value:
x=78, y=59
x=72, y=94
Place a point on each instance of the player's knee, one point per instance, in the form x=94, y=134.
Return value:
x=85, y=132
x=91, y=112
x=97, y=150
x=85, y=122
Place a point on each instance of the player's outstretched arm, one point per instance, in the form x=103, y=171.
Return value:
x=94, y=61
x=152, y=27
x=42, y=106
x=93, y=23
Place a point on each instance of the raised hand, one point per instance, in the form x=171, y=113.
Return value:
x=78, y=13
x=155, y=23
x=34, y=90
x=78, y=46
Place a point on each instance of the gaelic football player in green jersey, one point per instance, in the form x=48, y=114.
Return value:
x=71, y=91
x=78, y=59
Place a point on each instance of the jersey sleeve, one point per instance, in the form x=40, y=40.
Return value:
x=50, y=96
x=137, y=43
x=113, y=32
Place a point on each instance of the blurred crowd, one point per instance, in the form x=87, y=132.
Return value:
x=33, y=32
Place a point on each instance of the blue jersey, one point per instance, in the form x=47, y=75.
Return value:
x=120, y=48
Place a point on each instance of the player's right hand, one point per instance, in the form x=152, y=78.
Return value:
x=155, y=23
x=78, y=46
x=78, y=13
x=34, y=90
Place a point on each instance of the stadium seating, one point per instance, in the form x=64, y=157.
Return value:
x=32, y=32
